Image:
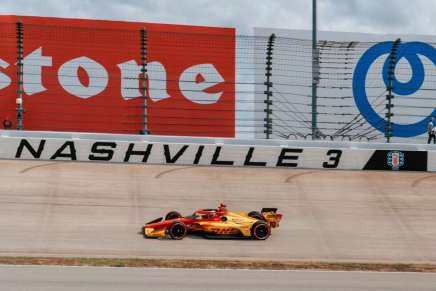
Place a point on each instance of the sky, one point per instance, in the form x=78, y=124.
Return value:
x=370, y=16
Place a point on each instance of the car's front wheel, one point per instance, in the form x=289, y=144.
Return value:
x=260, y=230
x=177, y=230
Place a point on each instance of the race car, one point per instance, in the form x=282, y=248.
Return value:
x=217, y=222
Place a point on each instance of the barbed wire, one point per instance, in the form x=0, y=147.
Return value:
x=115, y=96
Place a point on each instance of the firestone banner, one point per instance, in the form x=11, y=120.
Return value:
x=85, y=75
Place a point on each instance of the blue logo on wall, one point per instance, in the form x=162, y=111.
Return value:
x=409, y=51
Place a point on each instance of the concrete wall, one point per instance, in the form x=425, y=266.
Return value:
x=215, y=152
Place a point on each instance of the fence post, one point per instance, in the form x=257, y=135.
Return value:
x=315, y=82
x=389, y=96
x=143, y=78
x=315, y=71
x=19, y=100
x=269, y=84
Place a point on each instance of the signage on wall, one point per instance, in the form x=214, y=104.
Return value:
x=85, y=75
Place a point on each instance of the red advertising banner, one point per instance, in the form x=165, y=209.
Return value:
x=85, y=75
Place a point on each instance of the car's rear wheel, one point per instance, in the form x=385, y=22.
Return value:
x=256, y=214
x=177, y=230
x=260, y=230
x=172, y=215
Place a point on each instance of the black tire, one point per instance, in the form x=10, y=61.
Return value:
x=257, y=215
x=172, y=215
x=177, y=230
x=260, y=230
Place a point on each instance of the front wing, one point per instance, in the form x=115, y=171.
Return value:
x=154, y=233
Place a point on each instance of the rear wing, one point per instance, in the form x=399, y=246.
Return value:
x=271, y=216
x=268, y=210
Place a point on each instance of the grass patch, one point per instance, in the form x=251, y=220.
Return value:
x=219, y=264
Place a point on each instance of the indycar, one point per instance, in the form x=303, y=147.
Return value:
x=217, y=223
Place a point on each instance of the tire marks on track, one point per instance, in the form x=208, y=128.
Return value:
x=163, y=173
x=418, y=181
x=28, y=169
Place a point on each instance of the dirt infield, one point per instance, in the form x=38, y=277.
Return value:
x=220, y=264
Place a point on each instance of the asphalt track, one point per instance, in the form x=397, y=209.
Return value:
x=96, y=210
x=35, y=278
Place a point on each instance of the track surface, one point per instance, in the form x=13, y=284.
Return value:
x=83, y=209
x=42, y=278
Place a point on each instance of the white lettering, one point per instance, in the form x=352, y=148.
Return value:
x=157, y=81
x=192, y=83
x=69, y=79
x=5, y=81
x=32, y=71
x=193, y=89
x=129, y=79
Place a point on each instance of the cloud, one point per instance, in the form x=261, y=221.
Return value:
x=387, y=16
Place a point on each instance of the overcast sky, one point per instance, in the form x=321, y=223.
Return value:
x=380, y=16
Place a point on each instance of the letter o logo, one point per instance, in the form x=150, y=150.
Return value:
x=409, y=51
x=69, y=79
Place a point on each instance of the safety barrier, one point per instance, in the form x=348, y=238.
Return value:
x=87, y=147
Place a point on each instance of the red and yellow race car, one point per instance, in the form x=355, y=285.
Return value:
x=215, y=223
